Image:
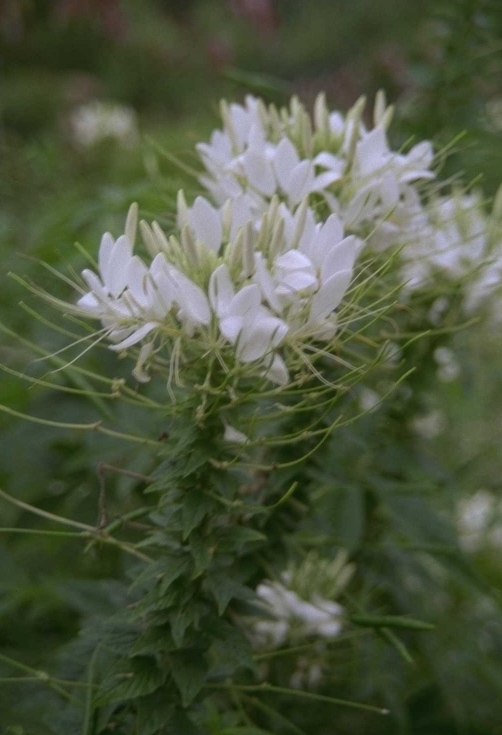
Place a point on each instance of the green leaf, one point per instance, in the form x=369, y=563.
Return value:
x=188, y=670
x=391, y=621
x=341, y=509
x=172, y=568
x=138, y=677
x=245, y=730
x=201, y=554
x=182, y=725
x=231, y=649
x=154, y=640
x=223, y=587
x=196, y=505
x=238, y=536
x=12, y=574
x=155, y=711
x=180, y=620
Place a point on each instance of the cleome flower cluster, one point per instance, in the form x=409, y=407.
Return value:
x=263, y=266
x=257, y=285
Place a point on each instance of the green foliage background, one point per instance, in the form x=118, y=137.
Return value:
x=441, y=63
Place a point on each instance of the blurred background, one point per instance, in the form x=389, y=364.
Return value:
x=96, y=97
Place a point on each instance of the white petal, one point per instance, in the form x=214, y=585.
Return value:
x=331, y=162
x=93, y=282
x=245, y=300
x=266, y=283
x=240, y=123
x=259, y=172
x=322, y=181
x=206, y=223
x=120, y=255
x=135, y=337
x=300, y=183
x=372, y=151
x=277, y=372
x=220, y=289
x=234, y=435
x=286, y=158
x=105, y=249
x=259, y=338
x=389, y=190
x=91, y=304
x=293, y=260
x=137, y=274
x=192, y=299
x=230, y=327
x=329, y=234
x=340, y=258
x=329, y=295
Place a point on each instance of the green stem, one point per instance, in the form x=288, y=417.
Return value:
x=266, y=687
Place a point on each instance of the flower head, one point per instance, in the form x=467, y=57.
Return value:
x=230, y=278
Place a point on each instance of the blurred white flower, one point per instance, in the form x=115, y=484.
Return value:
x=287, y=615
x=95, y=121
x=479, y=521
x=448, y=365
x=429, y=425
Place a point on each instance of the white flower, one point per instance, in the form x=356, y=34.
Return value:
x=448, y=238
x=289, y=615
x=305, y=283
x=96, y=121
x=132, y=300
x=479, y=521
x=429, y=425
x=269, y=152
x=448, y=365
x=244, y=322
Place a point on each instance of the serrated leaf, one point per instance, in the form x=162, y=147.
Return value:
x=172, y=568
x=231, y=649
x=138, y=677
x=237, y=536
x=201, y=555
x=196, y=505
x=180, y=620
x=155, y=711
x=223, y=587
x=153, y=641
x=188, y=670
